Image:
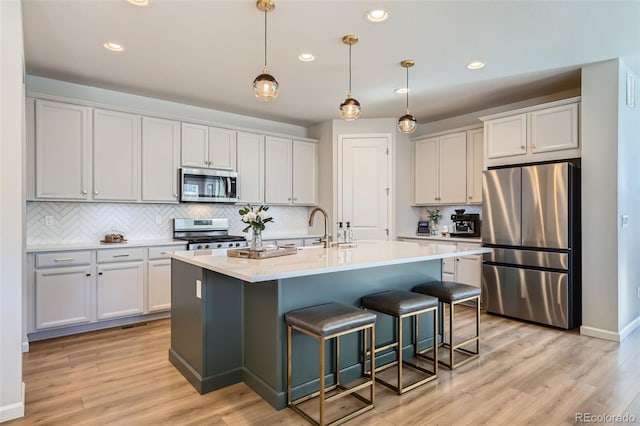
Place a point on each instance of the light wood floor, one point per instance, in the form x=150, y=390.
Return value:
x=527, y=374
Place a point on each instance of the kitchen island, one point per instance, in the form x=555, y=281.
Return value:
x=227, y=313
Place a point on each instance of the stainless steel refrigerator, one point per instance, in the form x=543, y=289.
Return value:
x=531, y=219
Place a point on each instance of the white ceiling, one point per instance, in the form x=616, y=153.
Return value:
x=207, y=52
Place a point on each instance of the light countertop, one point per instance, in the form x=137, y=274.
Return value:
x=317, y=260
x=39, y=248
x=477, y=240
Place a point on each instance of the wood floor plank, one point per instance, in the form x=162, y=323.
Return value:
x=526, y=374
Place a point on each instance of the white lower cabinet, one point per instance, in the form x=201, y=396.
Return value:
x=469, y=270
x=86, y=287
x=120, y=289
x=62, y=296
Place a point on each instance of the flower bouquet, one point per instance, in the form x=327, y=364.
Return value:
x=255, y=220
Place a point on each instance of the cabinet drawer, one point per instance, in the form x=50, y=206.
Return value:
x=312, y=242
x=65, y=258
x=449, y=266
x=120, y=255
x=290, y=243
x=160, y=252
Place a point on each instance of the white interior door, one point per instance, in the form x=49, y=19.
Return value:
x=365, y=185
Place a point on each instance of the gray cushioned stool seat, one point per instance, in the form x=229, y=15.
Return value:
x=398, y=302
x=448, y=291
x=329, y=319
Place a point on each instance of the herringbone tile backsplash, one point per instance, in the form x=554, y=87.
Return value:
x=88, y=222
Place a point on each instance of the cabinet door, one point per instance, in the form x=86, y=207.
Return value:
x=116, y=156
x=554, y=129
x=277, y=171
x=30, y=152
x=469, y=270
x=160, y=159
x=250, y=161
x=63, y=151
x=159, y=285
x=426, y=171
x=305, y=173
x=452, y=167
x=475, y=165
x=194, y=146
x=62, y=296
x=506, y=136
x=222, y=148
x=120, y=289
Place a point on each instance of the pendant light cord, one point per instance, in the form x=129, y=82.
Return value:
x=407, y=89
x=265, y=38
x=349, y=69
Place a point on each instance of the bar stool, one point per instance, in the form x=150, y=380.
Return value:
x=453, y=293
x=325, y=322
x=400, y=305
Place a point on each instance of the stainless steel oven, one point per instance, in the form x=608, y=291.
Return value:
x=208, y=186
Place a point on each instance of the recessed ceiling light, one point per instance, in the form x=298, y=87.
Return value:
x=113, y=46
x=402, y=90
x=475, y=65
x=306, y=57
x=139, y=2
x=377, y=15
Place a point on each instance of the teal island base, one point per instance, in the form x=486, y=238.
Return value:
x=225, y=330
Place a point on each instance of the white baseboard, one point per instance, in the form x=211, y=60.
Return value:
x=629, y=328
x=12, y=411
x=599, y=333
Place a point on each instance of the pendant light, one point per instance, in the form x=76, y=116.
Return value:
x=265, y=85
x=350, y=108
x=407, y=123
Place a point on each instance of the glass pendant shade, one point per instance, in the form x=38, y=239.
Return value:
x=407, y=123
x=265, y=86
x=350, y=109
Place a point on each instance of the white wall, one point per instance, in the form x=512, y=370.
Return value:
x=628, y=204
x=11, y=209
x=157, y=107
x=599, y=130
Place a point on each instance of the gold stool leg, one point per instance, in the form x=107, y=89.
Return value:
x=322, y=344
x=399, y=351
x=451, y=314
x=288, y=366
x=372, y=349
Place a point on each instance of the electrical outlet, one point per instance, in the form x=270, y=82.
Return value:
x=638, y=292
x=158, y=219
x=48, y=220
x=625, y=220
x=199, y=289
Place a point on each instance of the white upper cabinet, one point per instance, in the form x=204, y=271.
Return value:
x=160, y=159
x=554, y=129
x=541, y=133
x=116, y=156
x=475, y=165
x=277, y=169
x=62, y=151
x=222, y=148
x=208, y=147
x=291, y=171
x=440, y=169
x=250, y=162
x=305, y=173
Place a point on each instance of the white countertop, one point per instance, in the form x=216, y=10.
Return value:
x=443, y=238
x=314, y=261
x=98, y=245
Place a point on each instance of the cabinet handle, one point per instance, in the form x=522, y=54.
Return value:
x=120, y=255
x=63, y=259
x=175, y=195
x=470, y=197
x=295, y=199
x=88, y=275
x=457, y=259
x=99, y=273
x=84, y=191
x=522, y=147
x=289, y=199
x=95, y=192
x=532, y=146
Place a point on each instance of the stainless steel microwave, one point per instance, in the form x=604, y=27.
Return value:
x=208, y=186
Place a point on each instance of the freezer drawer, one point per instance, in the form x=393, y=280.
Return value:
x=538, y=296
x=540, y=259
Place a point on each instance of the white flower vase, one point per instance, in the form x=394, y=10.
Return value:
x=256, y=241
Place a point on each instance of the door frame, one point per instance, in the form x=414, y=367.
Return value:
x=337, y=201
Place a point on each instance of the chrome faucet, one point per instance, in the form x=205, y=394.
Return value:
x=325, y=237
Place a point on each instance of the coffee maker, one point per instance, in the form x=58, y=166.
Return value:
x=465, y=225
